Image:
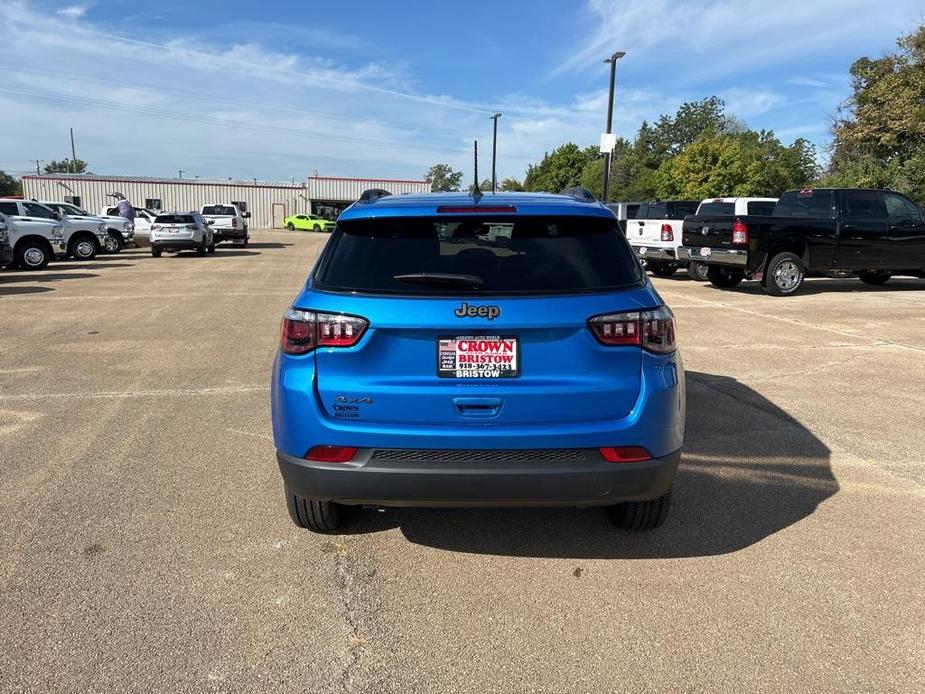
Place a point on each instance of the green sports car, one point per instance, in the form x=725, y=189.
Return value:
x=309, y=222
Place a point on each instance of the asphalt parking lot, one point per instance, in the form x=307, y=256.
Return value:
x=146, y=546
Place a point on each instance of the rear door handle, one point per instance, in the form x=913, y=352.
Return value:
x=478, y=407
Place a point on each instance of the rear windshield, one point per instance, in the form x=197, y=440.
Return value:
x=804, y=203
x=717, y=208
x=219, y=210
x=761, y=207
x=664, y=209
x=174, y=219
x=632, y=211
x=475, y=254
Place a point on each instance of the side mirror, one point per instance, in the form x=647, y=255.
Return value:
x=56, y=215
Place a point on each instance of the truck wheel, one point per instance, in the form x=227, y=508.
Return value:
x=697, y=270
x=640, y=515
x=662, y=269
x=114, y=242
x=211, y=249
x=290, y=226
x=724, y=277
x=877, y=279
x=784, y=275
x=83, y=248
x=156, y=252
x=317, y=516
x=31, y=255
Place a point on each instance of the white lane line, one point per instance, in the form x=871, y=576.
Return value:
x=106, y=395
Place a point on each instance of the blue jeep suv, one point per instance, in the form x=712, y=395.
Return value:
x=478, y=350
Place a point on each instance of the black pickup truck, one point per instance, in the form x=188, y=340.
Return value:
x=824, y=231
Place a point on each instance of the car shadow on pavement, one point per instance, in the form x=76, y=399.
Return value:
x=834, y=286
x=84, y=265
x=40, y=277
x=749, y=470
x=268, y=244
x=12, y=291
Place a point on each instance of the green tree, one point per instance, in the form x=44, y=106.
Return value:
x=443, y=178
x=561, y=168
x=511, y=184
x=879, y=136
x=66, y=166
x=736, y=164
x=9, y=185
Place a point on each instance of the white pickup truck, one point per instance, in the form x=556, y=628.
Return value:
x=228, y=222
x=655, y=234
x=121, y=231
x=32, y=241
x=81, y=239
x=144, y=218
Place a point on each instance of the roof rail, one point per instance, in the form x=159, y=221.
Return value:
x=579, y=193
x=373, y=194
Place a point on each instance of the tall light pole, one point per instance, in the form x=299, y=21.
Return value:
x=613, y=78
x=494, y=153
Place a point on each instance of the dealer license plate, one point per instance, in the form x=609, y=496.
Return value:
x=478, y=356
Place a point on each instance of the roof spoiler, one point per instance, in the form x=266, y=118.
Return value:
x=579, y=193
x=373, y=194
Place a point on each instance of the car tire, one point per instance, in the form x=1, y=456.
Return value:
x=640, y=515
x=697, y=270
x=875, y=279
x=314, y=515
x=724, y=277
x=290, y=226
x=317, y=227
x=784, y=275
x=201, y=251
x=31, y=255
x=156, y=252
x=662, y=269
x=211, y=249
x=114, y=242
x=82, y=248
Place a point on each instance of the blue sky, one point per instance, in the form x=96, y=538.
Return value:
x=279, y=90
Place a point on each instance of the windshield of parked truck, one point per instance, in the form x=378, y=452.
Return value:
x=713, y=208
x=220, y=210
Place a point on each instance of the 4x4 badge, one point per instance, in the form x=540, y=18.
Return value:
x=467, y=311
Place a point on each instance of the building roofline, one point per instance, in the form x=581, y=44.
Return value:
x=360, y=180
x=167, y=181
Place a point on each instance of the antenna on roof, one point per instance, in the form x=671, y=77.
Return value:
x=476, y=191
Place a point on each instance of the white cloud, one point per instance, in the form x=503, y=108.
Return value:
x=73, y=11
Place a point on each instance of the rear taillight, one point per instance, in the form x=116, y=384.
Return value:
x=332, y=454
x=303, y=331
x=739, y=233
x=475, y=209
x=667, y=232
x=625, y=454
x=652, y=330
x=234, y=222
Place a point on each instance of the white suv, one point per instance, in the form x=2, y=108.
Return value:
x=81, y=239
x=179, y=231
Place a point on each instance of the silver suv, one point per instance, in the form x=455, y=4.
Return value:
x=181, y=231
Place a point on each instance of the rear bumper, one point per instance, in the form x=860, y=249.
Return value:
x=176, y=244
x=716, y=256
x=229, y=234
x=655, y=253
x=589, y=481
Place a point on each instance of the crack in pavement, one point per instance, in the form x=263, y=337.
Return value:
x=345, y=578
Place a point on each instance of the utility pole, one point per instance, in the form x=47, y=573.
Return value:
x=37, y=162
x=73, y=151
x=609, y=159
x=180, y=173
x=494, y=152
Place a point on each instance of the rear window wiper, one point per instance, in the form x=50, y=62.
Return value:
x=437, y=279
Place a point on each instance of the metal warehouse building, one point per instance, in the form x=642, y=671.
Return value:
x=268, y=202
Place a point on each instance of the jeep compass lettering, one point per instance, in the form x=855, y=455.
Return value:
x=456, y=350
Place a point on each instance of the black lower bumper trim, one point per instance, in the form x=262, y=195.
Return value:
x=538, y=483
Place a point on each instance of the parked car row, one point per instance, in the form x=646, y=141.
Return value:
x=836, y=232
x=34, y=233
